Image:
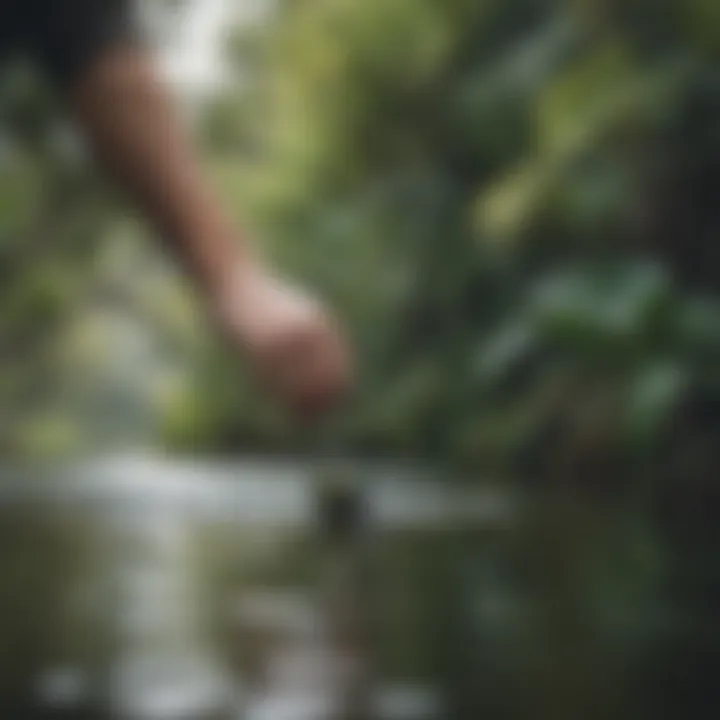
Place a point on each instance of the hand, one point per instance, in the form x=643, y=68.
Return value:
x=293, y=345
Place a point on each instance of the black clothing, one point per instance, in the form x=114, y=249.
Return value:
x=64, y=36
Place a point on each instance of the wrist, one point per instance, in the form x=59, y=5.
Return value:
x=234, y=276
x=218, y=262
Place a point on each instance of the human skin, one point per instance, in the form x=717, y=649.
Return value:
x=129, y=120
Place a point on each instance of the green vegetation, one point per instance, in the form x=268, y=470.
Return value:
x=513, y=204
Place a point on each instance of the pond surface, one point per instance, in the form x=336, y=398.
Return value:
x=126, y=579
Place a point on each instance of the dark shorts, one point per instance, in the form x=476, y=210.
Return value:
x=64, y=36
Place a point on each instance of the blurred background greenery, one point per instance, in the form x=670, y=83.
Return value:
x=512, y=203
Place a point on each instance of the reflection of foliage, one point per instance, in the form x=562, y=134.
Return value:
x=44, y=560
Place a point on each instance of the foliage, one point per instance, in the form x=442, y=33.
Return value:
x=513, y=204
x=475, y=185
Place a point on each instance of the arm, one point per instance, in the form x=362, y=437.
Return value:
x=128, y=117
x=129, y=120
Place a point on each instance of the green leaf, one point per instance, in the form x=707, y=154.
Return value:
x=606, y=304
x=499, y=354
x=652, y=397
x=571, y=109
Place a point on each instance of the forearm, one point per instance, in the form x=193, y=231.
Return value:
x=129, y=119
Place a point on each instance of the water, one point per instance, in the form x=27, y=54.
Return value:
x=253, y=492
x=155, y=533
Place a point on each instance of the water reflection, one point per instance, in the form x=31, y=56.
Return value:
x=175, y=578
